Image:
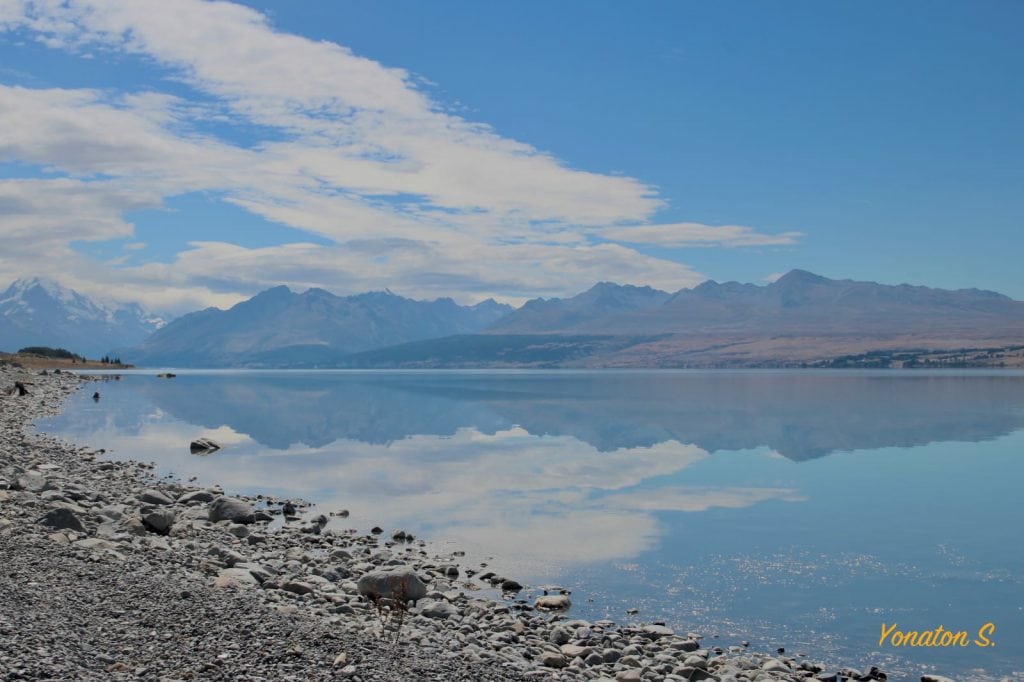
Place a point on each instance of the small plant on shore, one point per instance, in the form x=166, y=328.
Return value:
x=391, y=610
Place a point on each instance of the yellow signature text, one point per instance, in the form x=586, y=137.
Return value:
x=937, y=637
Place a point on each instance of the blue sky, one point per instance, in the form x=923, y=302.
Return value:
x=186, y=154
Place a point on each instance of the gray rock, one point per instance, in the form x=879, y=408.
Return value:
x=552, y=602
x=400, y=582
x=231, y=509
x=158, y=520
x=197, y=496
x=226, y=556
x=238, y=530
x=551, y=659
x=62, y=519
x=298, y=587
x=773, y=665
x=657, y=631
x=559, y=636
x=150, y=496
x=438, y=609
x=237, y=578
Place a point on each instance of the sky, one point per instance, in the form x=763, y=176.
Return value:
x=184, y=153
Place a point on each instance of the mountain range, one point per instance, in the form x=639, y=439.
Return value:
x=281, y=328
x=801, y=319
x=40, y=312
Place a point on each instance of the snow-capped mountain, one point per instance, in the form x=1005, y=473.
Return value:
x=40, y=312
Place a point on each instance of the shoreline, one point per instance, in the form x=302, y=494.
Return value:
x=113, y=518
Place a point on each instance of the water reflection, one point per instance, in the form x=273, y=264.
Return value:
x=800, y=415
x=554, y=468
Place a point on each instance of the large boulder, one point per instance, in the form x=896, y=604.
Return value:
x=231, y=509
x=400, y=583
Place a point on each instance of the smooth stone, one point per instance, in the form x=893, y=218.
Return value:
x=438, y=610
x=151, y=496
x=231, y=509
x=575, y=650
x=296, y=586
x=551, y=659
x=238, y=530
x=400, y=582
x=559, y=636
x=773, y=665
x=197, y=496
x=657, y=631
x=553, y=602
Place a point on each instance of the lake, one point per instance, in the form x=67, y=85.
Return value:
x=796, y=509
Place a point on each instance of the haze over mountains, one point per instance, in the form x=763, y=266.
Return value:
x=801, y=318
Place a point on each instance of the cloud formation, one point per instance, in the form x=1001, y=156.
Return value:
x=311, y=136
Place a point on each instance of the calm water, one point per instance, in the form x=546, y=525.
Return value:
x=796, y=509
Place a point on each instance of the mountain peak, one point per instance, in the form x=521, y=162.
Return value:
x=35, y=311
x=798, y=276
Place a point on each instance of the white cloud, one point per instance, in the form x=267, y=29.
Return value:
x=345, y=148
x=679, y=235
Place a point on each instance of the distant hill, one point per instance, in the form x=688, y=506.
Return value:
x=40, y=312
x=582, y=313
x=281, y=328
x=800, y=302
x=802, y=319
